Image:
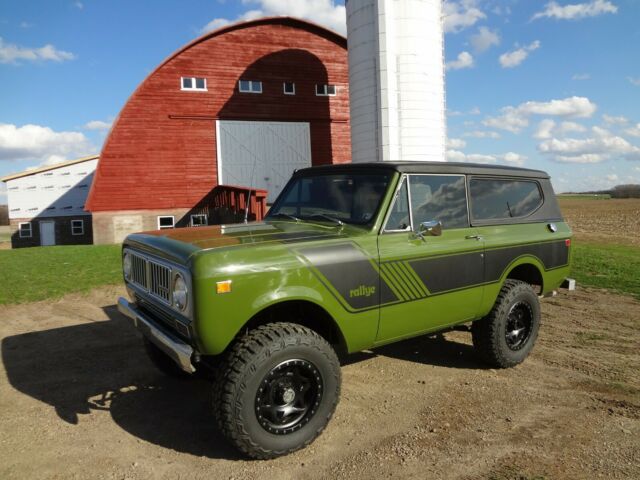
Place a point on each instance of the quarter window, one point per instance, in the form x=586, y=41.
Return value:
x=496, y=199
x=25, y=229
x=325, y=90
x=440, y=198
x=77, y=227
x=165, y=222
x=250, y=86
x=198, y=220
x=289, y=88
x=194, y=84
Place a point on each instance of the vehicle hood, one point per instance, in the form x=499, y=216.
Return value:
x=181, y=243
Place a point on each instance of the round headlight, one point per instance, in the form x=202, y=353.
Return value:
x=180, y=292
x=126, y=266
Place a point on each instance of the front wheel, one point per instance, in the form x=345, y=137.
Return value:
x=278, y=388
x=505, y=337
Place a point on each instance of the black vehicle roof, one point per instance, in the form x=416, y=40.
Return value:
x=432, y=167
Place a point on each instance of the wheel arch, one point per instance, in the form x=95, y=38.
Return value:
x=528, y=270
x=305, y=313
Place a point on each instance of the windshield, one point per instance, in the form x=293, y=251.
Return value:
x=341, y=197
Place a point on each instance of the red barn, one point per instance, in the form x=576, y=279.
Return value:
x=243, y=105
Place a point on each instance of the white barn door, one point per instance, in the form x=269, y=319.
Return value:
x=47, y=233
x=261, y=155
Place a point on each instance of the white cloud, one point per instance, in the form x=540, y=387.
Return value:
x=611, y=120
x=516, y=57
x=78, y=5
x=482, y=134
x=545, y=129
x=514, y=119
x=34, y=142
x=566, y=127
x=10, y=53
x=457, y=113
x=581, y=76
x=322, y=12
x=633, y=131
x=26, y=25
x=634, y=81
x=97, y=125
x=602, y=146
x=464, y=60
x=456, y=143
x=576, y=11
x=461, y=14
x=484, y=39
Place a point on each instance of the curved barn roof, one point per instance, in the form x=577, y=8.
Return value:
x=291, y=22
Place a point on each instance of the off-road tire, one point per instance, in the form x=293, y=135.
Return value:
x=246, y=369
x=490, y=337
x=163, y=362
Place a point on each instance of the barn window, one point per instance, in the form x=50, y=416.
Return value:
x=250, y=86
x=194, y=84
x=77, y=227
x=323, y=90
x=199, y=220
x=165, y=222
x=289, y=88
x=25, y=229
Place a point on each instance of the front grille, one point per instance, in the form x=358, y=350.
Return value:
x=152, y=276
x=139, y=270
x=160, y=281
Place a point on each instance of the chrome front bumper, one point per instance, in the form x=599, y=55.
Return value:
x=175, y=348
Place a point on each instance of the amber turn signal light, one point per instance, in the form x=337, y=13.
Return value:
x=223, y=287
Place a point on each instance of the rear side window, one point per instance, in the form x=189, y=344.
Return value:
x=439, y=197
x=496, y=199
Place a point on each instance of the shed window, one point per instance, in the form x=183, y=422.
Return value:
x=165, y=222
x=250, y=86
x=325, y=90
x=25, y=229
x=289, y=88
x=77, y=227
x=495, y=199
x=199, y=220
x=194, y=84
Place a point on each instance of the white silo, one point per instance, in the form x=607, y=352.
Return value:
x=396, y=80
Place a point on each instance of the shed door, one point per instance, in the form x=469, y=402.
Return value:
x=47, y=233
x=261, y=155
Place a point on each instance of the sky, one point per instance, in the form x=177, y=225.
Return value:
x=548, y=85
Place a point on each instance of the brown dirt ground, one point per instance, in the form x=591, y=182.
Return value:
x=79, y=399
x=603, y=221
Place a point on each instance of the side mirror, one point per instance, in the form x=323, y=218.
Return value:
x=432, y=228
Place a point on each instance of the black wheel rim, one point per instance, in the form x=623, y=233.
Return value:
x=289, y=396
x=519, y=323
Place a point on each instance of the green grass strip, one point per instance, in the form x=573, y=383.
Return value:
x=31, y=274
x=615, y=267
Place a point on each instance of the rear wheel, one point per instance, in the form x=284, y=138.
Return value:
x=276, y=390
x=505, y=337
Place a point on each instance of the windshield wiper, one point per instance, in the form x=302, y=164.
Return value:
x=338, y=222
x=285, y=215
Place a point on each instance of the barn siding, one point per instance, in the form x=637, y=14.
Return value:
x=161, y=152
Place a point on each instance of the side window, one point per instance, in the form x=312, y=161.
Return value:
x=399, y=217
x=495, y=199
x=439, y=197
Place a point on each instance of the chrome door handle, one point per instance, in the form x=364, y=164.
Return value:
x=474, y=237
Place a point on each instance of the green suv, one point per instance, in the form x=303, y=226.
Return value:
x=349, y=257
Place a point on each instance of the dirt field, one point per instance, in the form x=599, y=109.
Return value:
x=79, y=399
x=604, y=221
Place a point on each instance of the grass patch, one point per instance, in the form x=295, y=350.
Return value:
x=587, y=338
x=614, y=267
x=31, y=274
